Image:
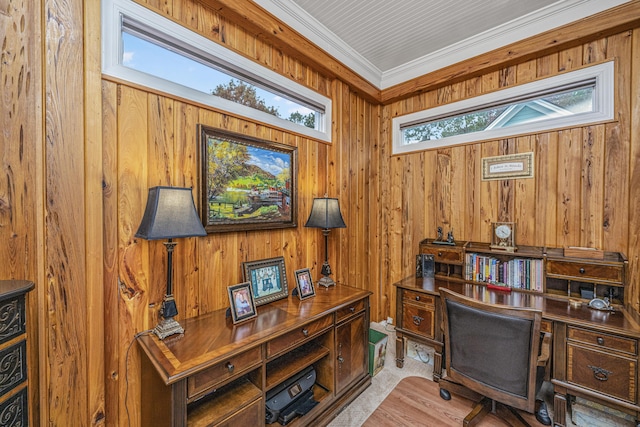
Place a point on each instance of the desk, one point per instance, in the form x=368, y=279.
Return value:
x=219, y=374
x=594, y=353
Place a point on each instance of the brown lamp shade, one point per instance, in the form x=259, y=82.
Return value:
x=170, y=213
x=325, y=214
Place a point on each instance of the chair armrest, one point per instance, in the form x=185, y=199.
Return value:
x=545, y=349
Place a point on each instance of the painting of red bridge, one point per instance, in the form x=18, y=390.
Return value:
x=248, y=184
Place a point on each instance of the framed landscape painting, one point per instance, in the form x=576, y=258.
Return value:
x=246, y=183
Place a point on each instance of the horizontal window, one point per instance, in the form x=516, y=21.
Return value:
x=145, y=48
x=572, y=99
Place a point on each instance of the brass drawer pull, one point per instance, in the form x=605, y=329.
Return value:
x=417, y=320
x=439, y=254
x=352, y=309
x=417, y=297
x=582, y=270
x=599, y=373
x=305, y=332
x=230, y=367
x=600, y=341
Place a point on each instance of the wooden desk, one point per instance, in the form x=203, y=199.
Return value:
x=594, y=353
x=217, y=373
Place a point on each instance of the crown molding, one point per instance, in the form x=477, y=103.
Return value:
x=556, y=15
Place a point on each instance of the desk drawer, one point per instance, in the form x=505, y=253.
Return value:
x=602, y=372
x=582, y=270
x=606, y=341
x=350, y=310
x=217, y=374
x=298, y=336
x=419, y=320
x=444, y=255
x=418, y=298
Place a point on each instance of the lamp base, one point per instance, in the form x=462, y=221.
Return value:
x=326, y=281
x=167, y=327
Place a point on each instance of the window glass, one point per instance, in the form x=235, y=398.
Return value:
x=575, y=98
x=152, y=58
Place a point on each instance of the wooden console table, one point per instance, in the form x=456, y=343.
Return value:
x=217, y=373
x=595, y=354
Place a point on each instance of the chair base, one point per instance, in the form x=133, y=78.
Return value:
x=486, y=405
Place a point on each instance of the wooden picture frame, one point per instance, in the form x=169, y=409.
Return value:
x=304, y=284
x=241, y=301
x=268, y=279
x=246, y=183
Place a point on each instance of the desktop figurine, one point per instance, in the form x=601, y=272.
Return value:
x=439, y=239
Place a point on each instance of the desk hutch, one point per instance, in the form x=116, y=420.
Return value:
x=218, y=373
x=594, y=353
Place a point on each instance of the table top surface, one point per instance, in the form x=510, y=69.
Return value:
x=210, y=338
x=11, y=288
x=553, y=307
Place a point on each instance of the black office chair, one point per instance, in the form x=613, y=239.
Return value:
x=495, y=351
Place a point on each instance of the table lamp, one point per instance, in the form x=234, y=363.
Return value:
x=325, y=214
x=170, y=214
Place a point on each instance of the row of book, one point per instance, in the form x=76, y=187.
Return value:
x=519, y=273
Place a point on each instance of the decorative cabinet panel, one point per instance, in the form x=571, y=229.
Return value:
x=13, y=353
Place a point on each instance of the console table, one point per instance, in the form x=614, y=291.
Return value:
x=595, y=353
x=218, y=373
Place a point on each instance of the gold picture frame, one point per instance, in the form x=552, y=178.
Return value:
x=510, y=166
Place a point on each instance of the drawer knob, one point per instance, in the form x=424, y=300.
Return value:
x=417, y=297
x=439, y=253
x=352, y=309
x=600, y=374
x=582, y=270
x=305, y=332
x=230, y=367
x=340, y=359
x=417, y=320
x=600, y=341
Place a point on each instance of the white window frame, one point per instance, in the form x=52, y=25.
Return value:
x=114, y=12
x=603, y=110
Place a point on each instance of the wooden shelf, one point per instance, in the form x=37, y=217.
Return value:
x=222, y=403
x=293, y=362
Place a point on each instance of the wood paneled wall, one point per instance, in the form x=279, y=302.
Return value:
x=585, y=188
x=150, y=139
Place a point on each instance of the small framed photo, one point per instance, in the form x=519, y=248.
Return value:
x=243, y=306
x=268, y=279
x=304, y=284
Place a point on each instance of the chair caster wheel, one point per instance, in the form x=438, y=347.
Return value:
x=445, y=394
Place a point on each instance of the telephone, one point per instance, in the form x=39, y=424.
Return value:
x=601, y=304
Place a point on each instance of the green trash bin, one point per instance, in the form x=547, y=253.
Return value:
x=377, y=351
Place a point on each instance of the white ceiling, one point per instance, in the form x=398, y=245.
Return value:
x=389, y=42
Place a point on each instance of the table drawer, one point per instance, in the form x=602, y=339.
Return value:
x=298, y=336
x=602, y=372
x=606, y=341
x=13, y=319
x=13, y=367
x=419, y=320
x=219, y=373
x=250, y=415
x=444, y=255
x=350, y=310
x=418, y=298
x=581, y=271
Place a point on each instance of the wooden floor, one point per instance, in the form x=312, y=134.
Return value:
x=416, y=401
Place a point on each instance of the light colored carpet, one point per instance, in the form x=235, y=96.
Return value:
x=385, y=381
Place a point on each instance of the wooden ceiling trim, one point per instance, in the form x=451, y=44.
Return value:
x=612, y=21
x=265, y=26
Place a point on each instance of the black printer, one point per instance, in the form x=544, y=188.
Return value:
x=292, y=398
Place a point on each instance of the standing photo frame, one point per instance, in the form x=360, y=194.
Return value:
x=304, y=284
x=268, y=279
x=246, y=183
x=241, y=301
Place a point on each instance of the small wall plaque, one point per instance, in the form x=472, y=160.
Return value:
x=509, y=166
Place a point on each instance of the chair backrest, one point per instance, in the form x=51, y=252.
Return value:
x=492, y=349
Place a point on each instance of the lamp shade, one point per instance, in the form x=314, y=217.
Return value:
x=325, y=213
x=170, y=213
